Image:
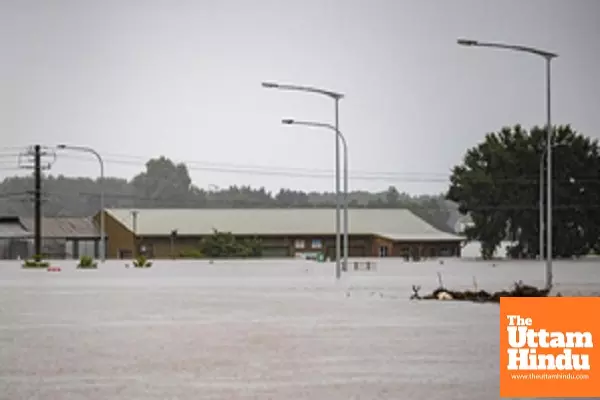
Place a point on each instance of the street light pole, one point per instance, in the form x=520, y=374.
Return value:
x=346, y=200
x=541, y=201
x=134, y=217
x=549, y=248
x=341, y=137
x=338, y=203
x=336, y=97
x=102, y=213
x=548, y=57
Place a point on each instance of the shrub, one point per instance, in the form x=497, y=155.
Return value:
x=37, y=261
x=226, y=245
x=87, y=262
x=142, y=262
x=191, y=254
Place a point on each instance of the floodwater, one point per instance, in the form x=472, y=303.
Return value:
x=256, y=330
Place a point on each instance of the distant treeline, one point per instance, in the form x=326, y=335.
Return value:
x=165, y=184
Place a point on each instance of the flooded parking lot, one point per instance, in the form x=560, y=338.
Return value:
x=256, y=330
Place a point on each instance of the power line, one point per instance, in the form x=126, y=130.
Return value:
x=12, y=195
x=196, y=163
x=13, y=148
x=140, y=161
x=353, y=175
x=265, y=170
x=9, y=155
x=389, y=177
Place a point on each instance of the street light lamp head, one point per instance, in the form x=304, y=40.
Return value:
x=61, y=146
x=287, y=121
x=270, y=85
x=467, y=42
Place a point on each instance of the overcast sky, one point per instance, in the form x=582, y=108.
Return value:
x=136, y=79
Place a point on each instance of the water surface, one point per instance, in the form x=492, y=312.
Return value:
x=256, y=330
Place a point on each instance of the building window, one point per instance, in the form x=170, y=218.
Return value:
x=316, y=244
x=299, y=244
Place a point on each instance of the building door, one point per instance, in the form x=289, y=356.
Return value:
x=383, y=251
x=433, y=252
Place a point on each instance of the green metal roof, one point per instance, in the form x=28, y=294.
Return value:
x=398, y=223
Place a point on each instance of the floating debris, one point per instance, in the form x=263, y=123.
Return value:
x=480, y=296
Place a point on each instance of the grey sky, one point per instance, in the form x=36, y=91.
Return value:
x=141, y=78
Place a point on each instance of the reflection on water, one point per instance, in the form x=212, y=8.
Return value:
x=255, y=330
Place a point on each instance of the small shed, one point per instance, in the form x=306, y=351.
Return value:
x=67, y=237
x=15, y=239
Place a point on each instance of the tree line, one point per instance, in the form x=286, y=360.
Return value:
x=498, y=185
x=166, y=184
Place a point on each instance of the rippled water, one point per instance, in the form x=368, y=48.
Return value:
x=255, y=330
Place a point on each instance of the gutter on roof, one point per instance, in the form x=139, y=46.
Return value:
x=449, y=238
x=420, y=240
x=445, y=238
x=10, y=220
x=252, y=234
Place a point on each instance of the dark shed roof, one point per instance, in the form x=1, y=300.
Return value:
x=11, y=228
x=64, y=227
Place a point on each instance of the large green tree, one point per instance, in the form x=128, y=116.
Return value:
x=498, y=184
x=165, y=180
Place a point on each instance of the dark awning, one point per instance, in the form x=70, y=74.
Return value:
x=13, y=230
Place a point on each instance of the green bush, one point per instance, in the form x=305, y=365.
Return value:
x=142, y=262
x=37, y=261
x=87, y=262
x=226, y=245
x=191, y=254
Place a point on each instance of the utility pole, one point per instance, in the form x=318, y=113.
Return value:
x=25, y=161
x=37, y=198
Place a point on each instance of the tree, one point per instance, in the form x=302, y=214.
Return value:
x=498, y=185
x=291, y=198
x=392, y=196
x=164, y=180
